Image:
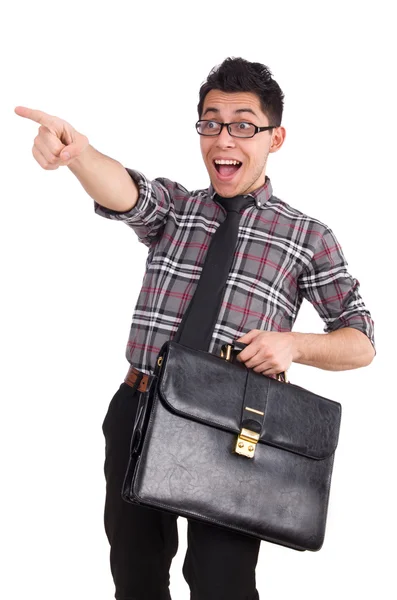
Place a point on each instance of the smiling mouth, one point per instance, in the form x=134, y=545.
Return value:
x=227, y=170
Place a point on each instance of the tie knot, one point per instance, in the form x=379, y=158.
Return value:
x=235, y=204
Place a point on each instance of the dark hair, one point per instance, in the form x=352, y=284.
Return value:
x=239, y=75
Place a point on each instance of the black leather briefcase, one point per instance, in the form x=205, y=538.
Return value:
x=215, y=441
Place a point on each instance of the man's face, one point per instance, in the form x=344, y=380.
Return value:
x=252, y=152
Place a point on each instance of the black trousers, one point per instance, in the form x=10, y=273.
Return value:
x=219, y=564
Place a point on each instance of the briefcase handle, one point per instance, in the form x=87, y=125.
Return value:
x=229, y=352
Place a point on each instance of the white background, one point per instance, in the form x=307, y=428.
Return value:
x=119, y=72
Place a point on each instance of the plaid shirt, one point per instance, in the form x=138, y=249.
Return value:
x=282, y=256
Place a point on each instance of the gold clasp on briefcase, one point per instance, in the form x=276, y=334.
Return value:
x=247, y=440
x=246, y=443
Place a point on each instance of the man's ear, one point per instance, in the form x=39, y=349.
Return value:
x=278, y=139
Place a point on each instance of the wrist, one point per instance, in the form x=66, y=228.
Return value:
x=79, y=163
x=296, y=346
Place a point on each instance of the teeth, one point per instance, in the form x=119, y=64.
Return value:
x=227, y=162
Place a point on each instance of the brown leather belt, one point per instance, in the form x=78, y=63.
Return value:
x=133, y=375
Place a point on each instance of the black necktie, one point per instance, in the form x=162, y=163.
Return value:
x=199, y=320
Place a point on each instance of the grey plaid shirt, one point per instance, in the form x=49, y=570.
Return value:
x=282, y=256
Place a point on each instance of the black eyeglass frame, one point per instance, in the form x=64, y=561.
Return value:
x=257, y=129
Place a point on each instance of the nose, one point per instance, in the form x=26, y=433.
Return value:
x=224, y=139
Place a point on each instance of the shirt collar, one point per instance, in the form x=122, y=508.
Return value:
x=261, y=195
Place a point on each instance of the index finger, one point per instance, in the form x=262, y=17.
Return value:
x=248, y=352
x=34, y=115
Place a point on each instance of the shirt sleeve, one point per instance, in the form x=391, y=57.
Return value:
x=150, y=213
x=334, y=293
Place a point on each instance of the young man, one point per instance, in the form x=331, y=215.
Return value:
x=281, y=257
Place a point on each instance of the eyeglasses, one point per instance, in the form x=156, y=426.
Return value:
x=241, y=129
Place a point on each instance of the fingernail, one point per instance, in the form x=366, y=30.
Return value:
x=65, y=156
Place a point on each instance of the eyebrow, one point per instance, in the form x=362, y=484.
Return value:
x=236, y=112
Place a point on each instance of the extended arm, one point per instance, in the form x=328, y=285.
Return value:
x=118, y=193
x=105, y=180
x=58, y=144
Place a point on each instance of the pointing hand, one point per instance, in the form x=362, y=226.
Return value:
x=57, y=142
